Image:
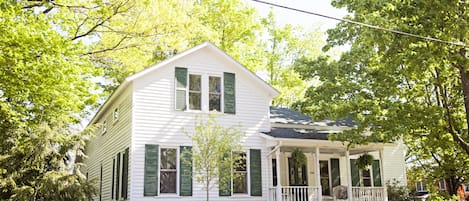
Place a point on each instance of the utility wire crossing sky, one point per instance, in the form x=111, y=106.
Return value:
x=364, y=24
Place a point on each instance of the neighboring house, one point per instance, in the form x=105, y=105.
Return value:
x=136, y=153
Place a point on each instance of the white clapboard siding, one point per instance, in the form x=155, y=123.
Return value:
x=394, y=163
x=104, y=147
x=156, y=122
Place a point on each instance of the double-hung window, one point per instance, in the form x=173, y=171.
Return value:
x=243, y=176
x=195, y=92
x=168, y=170
x=240, y=173
x=366, y=177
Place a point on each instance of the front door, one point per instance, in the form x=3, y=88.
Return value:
x=324, y=175
x=297, y=175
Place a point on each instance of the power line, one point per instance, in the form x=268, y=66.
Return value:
x=363, y=24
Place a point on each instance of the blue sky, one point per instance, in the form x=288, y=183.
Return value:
x=285, y=16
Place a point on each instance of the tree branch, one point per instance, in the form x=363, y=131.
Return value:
x=116, y=11
x=112, y=48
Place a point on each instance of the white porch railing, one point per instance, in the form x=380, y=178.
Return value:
x=310, y=193
x=295, y=193
x=368, y=194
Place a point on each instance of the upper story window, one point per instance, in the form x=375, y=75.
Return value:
x=195, y=92
x=202, y=92
x=420, y=186
x=214, y=85
x=115, y=114
x=104, y=127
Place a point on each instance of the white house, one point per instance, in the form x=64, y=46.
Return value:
x=136, y=153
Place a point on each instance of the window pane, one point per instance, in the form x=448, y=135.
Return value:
x=274, y=172
x=366, y=173
x=168, y=159
x=194, y=83
x=366, y=182
x=168, y=182
x=215, y=102
x=240, y=183
x=325, y=186
x=324, y=168
x=214, y=85
x=240, y=162
x=194, y=101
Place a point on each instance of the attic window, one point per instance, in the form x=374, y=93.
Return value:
x=104, y=127
x=115, y=114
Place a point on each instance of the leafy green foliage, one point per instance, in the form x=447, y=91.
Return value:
x=399, y=87
x=45, y=88
x=39, y=166
x=212, y=151
x=397, y=191
x=283, y=46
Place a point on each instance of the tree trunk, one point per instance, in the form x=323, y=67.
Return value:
x=465, y=88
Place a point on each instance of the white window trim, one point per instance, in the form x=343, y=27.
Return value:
x=114, y=118
x=177, y=172
x=421, y=184
x=104, y=127
x=442, y=188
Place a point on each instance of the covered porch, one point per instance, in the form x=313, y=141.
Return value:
x=329, y=173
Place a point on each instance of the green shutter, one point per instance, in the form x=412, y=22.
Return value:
x=118, y=170
x=256, y=172
x=125, y=173
x=376, y=173
x=113, y=177
x=150, y=181
x=224, y=180
x=185, y=177
x=335, y=172
x=355, y=173
x=229, y=85
x=180, y=88
x=101, y=183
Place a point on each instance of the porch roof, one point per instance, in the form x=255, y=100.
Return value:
x=297, y=133
x=279, y=115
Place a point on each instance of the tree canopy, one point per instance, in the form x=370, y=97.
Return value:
x=397, y=86
x=60, y=58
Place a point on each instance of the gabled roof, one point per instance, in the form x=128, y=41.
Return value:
x=272, y=92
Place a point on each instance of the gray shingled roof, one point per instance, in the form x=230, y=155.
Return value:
x=297, y=133
x=286, y=116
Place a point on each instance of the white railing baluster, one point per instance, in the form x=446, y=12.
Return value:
x=368, y=193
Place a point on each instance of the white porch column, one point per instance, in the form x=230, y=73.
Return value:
x=381, y=157
x=318, y=175
x=349, y=175
x=279, y=175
